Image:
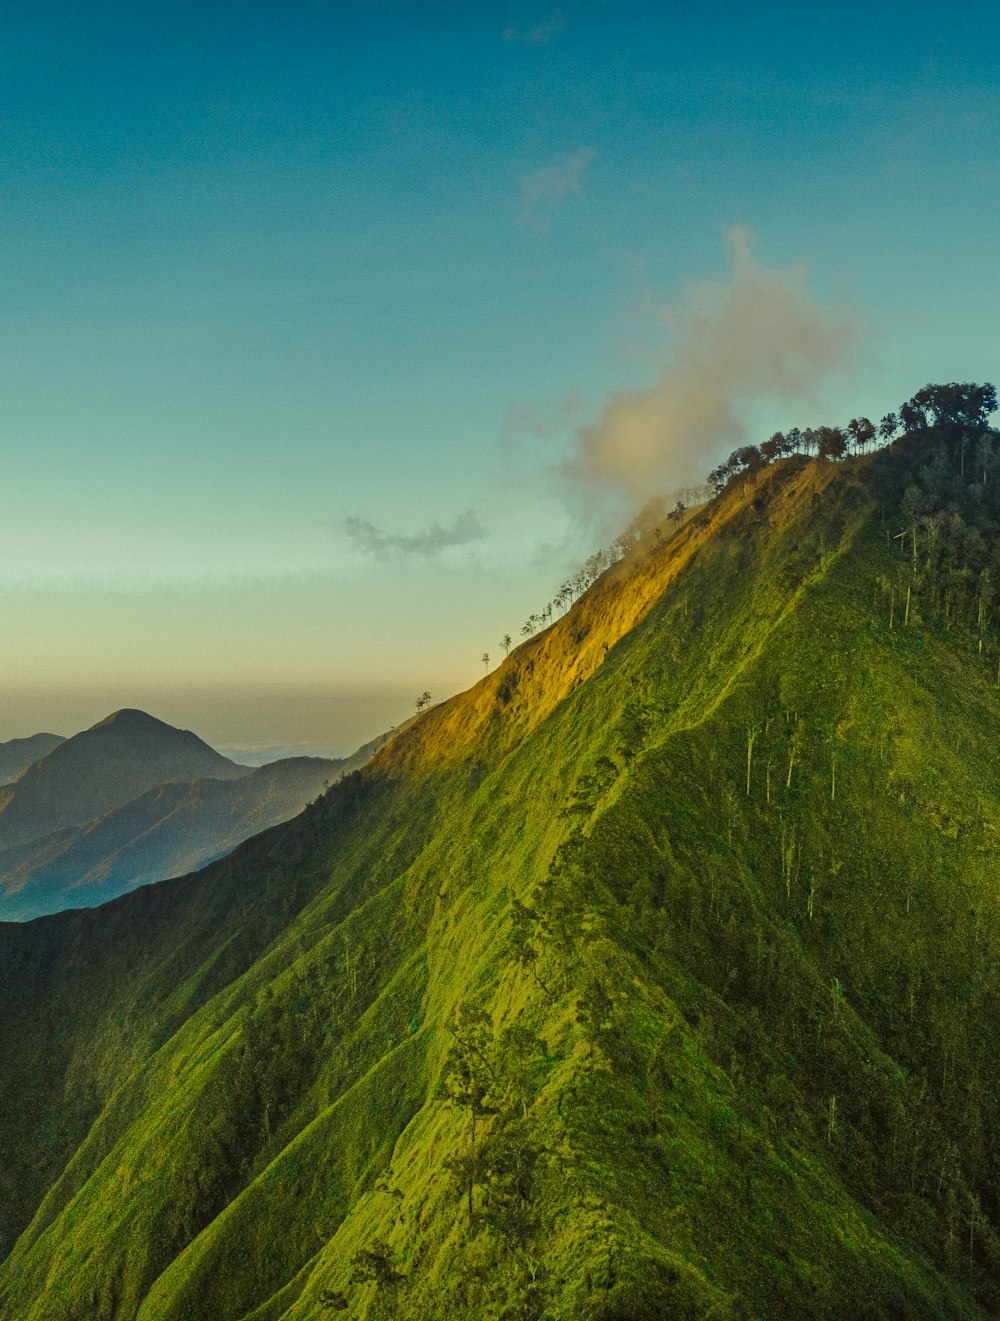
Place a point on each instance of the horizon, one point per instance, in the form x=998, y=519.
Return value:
x=331, y=721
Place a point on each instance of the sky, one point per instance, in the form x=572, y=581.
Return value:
x=333, y=337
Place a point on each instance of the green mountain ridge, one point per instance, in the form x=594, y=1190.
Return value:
x=654, y=976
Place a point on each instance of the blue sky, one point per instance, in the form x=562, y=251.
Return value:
x=272, y=273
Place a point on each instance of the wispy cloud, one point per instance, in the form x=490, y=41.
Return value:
x=760, y=335
x=539, y=35
x=466, y=529
x=542, y=420
x=542, y=190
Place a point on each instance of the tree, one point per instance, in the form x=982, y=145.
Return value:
x=985, y=457
x=331, y=1300
x=912, y=415
x=861, y=431
x=773, y=448
x=423, y=700
x=376, y=1265
x=509, y=1162
x=521, y=941
x=485, y=658
x=594, y=1013
x=743, y=462
x=718, y=478
x=506, y=643
x=831, y=443
x=888, y=427
x=467, y=1082
x=966, y=404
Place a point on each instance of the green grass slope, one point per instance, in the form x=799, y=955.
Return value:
x=655, y=976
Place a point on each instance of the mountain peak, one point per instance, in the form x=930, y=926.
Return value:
x=113, y=762
x=130, y=717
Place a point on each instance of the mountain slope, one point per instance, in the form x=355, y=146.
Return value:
x=19, y=753
x=654, y=976
x=100, y=769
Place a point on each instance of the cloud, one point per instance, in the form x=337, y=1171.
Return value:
x=540, y=35
x=542, y=190
x=466, y=529
x=760, y=335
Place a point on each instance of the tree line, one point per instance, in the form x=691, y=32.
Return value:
x=965, y=405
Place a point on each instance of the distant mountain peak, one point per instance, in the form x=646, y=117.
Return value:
x=121, y=757
x=130, y=717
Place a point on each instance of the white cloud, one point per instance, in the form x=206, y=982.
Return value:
x=542, y=190
x=760, y=335
x=466, y=529
x=539, y=35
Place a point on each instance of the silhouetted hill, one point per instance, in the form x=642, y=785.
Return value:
x=655, y=976
x=98, y=770
x=19, y=753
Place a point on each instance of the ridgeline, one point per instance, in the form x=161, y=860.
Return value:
x=656, y=975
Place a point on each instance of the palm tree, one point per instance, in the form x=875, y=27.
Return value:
x=485, y=658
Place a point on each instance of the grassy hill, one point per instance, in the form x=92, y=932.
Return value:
x=654, y=976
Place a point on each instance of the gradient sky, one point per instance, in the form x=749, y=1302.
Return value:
x=306, y=307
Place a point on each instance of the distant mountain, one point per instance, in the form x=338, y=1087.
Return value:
x=168, y=830
x=106, y=766
x=17, y=755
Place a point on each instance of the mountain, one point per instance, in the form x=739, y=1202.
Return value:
x=107, y=765
x=655, y=976
x=18, y=754
x=166, y=831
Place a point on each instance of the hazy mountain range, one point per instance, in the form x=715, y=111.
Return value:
x=133, y=800
x=657, y=975
x=17, y=755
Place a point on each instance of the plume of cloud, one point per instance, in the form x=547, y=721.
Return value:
x=762, y=335
x=542, y=190
x=466, y=529
x=539, y=35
